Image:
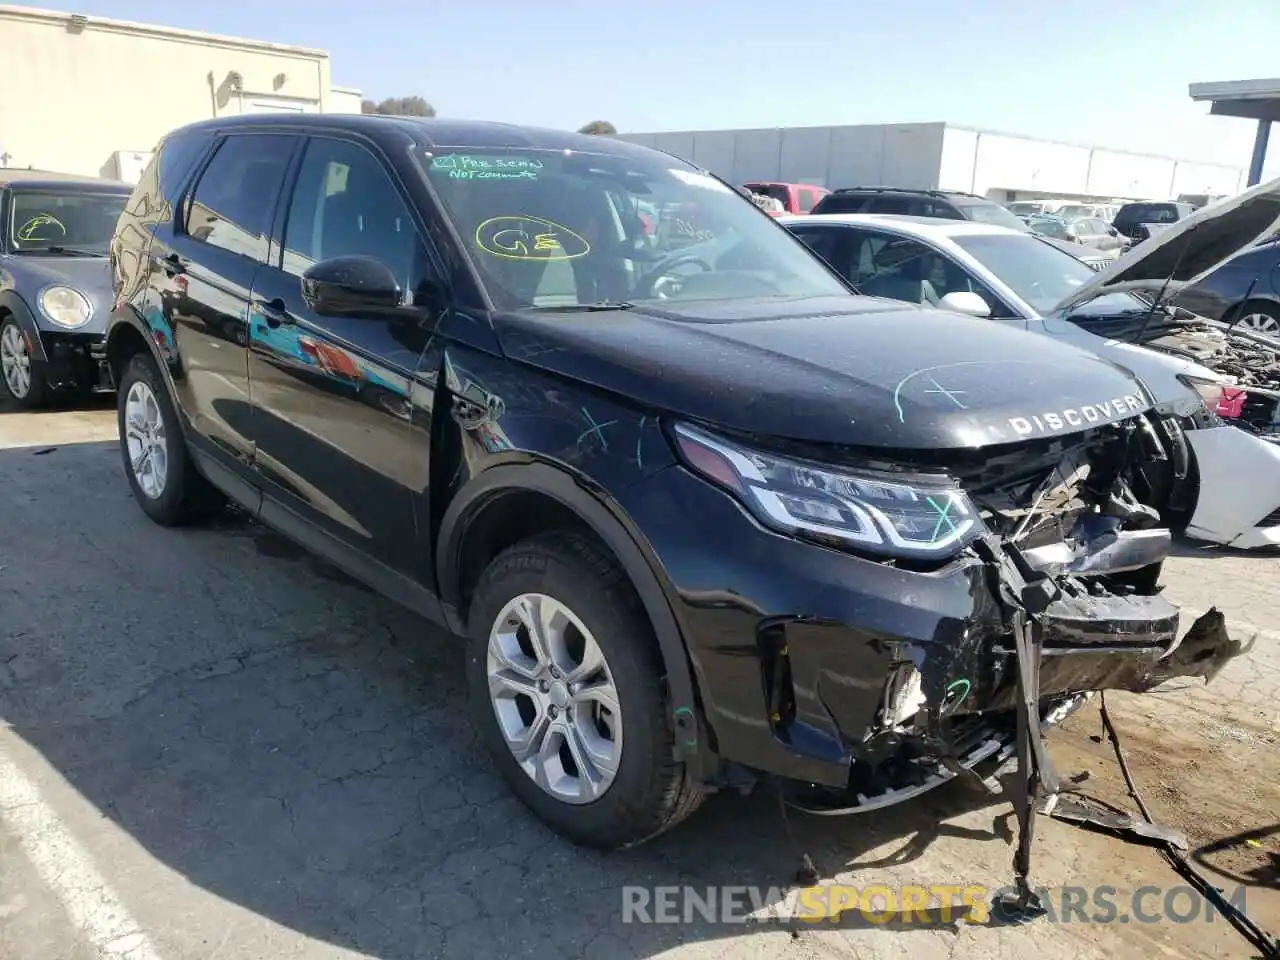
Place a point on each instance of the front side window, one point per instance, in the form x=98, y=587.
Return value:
x=64, y=221
x=555, y=228
x=231, y=206
x=345, y=204
x=900, y=268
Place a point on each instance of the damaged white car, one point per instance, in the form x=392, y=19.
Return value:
x=1218, y=388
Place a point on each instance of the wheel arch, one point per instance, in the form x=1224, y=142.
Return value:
x=478, y=520
x=127, y=334
x=13, y=305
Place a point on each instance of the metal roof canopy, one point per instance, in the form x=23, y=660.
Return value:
x=1249, y=99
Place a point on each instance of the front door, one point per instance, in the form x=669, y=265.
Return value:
x=336, y=439
x=202, y=272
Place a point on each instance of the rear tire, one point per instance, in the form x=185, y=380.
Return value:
x=592, y=605
x=165, y=481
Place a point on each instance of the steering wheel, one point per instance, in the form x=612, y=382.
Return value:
x=662, y=281
x=26, y=232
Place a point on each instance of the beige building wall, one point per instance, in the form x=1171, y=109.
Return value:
x=344, y=100
x=79, y=90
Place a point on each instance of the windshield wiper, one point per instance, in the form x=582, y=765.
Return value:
x=600, y=306
x=63, y=251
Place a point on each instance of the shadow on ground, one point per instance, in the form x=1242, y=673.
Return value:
x=298, y=746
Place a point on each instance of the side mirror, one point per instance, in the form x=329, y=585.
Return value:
x=967, y=302
x=351, y=285
x=1113, y=231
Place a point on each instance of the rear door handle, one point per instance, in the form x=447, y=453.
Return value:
x=172, y=264
x=275, y=312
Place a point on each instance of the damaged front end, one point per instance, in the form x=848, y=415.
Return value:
x=1070, y=604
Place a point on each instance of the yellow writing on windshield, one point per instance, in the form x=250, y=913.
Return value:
x=529, y=238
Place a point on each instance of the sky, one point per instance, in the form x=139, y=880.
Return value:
x=1107, y=72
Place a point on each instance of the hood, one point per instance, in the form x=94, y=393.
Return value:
x=855, y=371
x=1187, y=251
x=28, y=274
x=1160, y=373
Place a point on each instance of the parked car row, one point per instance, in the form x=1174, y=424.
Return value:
x=703, y=512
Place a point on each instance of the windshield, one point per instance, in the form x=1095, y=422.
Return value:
x=1049, y=227
x=1040, y=273
x=557, y=228
x=1025, y=208
x=78, y=221
x=1072, y=212
x=990, y=213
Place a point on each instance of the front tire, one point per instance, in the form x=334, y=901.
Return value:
x=22, y=374
x=165, y=481
x=567, y=690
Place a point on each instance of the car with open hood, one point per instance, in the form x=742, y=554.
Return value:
x=55, y=287
x=699, y=513
x=1019, y=280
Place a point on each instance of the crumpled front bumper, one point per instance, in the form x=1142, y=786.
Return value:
x=836, y=671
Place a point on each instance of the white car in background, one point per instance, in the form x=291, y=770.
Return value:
x=1228, y=476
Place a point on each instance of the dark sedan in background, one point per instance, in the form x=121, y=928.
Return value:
x=1244, y=291
x=55, y=288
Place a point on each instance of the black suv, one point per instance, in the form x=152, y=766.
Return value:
x=947, y=204
x=701, y=513
x=1137, y=220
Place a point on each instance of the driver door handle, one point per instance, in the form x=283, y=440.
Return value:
x=274, y=311
x=171, y=265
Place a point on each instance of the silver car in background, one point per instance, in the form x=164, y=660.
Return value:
x=1024, y=280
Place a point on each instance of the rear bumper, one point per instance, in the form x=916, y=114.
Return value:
x=823, y=667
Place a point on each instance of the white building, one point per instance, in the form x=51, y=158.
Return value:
x=941, y=156
x=91, y=96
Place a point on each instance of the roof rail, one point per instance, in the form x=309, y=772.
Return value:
x=916, y=190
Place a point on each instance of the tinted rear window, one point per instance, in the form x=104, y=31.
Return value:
x=840, y=203
x=1148, y=213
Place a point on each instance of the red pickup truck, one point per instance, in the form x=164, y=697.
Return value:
x=794, y=197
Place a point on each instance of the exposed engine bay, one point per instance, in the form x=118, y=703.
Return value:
x=1247, y=359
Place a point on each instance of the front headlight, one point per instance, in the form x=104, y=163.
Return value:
x=65, y=307
x=920, y=516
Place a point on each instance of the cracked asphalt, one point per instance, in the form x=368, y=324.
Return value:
x=219, y=747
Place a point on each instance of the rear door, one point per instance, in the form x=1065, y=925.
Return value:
x=336, y=439
x=830, y=242
x=202, y=265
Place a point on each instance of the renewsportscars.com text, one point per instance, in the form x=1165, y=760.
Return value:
x=915, y=904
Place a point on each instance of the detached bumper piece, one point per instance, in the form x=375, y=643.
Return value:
x=1061, y=632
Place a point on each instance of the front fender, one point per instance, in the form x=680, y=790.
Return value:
x=12, y=303
x=591, y=504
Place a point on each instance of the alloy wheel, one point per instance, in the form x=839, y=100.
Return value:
x=1261, y=323
x=554, y=698
x=145, y=440
x=15, y=361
